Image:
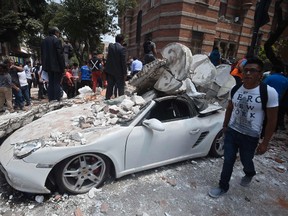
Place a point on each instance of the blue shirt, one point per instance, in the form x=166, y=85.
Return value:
x=279, y=82
x=215, y=57
x=85, y=73
x=136, y=65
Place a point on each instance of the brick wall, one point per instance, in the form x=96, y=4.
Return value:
x=174, y=21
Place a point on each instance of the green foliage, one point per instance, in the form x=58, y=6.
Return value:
x=47, y=19
x=19, y=19
x=262, y=54
x=277, y=48
x=81, y=21
x=123, y=5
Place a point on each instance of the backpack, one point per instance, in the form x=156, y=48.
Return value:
x=147, y=47
x=264, y=100
x=95, y=64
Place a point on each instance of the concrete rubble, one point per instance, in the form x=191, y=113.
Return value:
x=178, y=72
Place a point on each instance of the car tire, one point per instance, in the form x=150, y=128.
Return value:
x=79, y=173
x=217, y=147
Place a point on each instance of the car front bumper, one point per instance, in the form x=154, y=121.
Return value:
x=21, y=176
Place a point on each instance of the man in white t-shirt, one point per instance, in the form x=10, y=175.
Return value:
x=29, y=75
x=243, y=125
x=24, y=87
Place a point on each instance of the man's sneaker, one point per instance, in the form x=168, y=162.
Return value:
x=216, y=192
x=245, y=181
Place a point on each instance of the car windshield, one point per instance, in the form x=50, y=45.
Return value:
x=128, y=121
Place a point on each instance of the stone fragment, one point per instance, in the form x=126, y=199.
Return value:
x=280, y=168
x=171, y=181
x=279, y=160
x=92, y=192
x=104, y=208
x=162, y=202
x=138, y=100
x=127, y=104
x=78, y=212
x=39, y=198
x=135, y=109
x=77, y=136
x=114, y=109
x=85, y=90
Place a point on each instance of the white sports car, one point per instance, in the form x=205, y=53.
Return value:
x=165, y=130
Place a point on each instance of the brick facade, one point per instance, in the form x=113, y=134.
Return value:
x=190, y=21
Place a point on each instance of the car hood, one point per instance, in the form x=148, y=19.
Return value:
x=63, y=127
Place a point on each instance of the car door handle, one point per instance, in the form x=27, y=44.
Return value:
x=194, y=131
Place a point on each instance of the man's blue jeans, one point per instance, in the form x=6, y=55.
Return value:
x=26, y=95
x=246, y=145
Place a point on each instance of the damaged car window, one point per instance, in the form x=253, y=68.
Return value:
x=169, y=110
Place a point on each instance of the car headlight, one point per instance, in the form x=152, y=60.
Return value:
x=22, y=150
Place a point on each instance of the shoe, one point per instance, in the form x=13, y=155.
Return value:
x=216, y=192
x=245, y=181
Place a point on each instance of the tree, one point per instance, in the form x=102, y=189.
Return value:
x=19, y=19
x=83, y=22
x=123, y=5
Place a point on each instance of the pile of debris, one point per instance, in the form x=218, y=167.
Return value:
x=182, y=72
x=178, y=72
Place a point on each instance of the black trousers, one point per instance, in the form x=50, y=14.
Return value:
x=114, y=82
x=54, y=87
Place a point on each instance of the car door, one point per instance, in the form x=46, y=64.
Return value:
x=182, y=130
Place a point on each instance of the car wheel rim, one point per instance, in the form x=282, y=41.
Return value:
x=83, y=172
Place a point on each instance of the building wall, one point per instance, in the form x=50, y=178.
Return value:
x=176, y=21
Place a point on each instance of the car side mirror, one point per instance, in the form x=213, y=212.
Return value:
x=153, y=124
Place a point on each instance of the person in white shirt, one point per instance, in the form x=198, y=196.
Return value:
x=29, y=75
x=244, y=123
x=24, y=87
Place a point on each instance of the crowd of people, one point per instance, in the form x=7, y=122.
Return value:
x=16, y=83
x=56, y=75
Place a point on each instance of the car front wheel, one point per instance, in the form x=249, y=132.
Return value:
x=78, y=174
x=217, y=147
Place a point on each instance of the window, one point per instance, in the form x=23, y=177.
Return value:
x=138, y=28
x=222, y=8
x=169, y=110
x=197, y=40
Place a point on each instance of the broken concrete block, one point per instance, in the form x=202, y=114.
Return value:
x=197, y=60
x=167, y=83
x=76, y=136
x=138, y=100
x=127, y=104
x=179, y=59
x=204, y=74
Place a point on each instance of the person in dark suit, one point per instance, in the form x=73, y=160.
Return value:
x=115, y=68
x=53, y=63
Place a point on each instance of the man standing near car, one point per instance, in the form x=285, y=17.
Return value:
x=243, y=124
x=53, y=62
x=115, y=68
